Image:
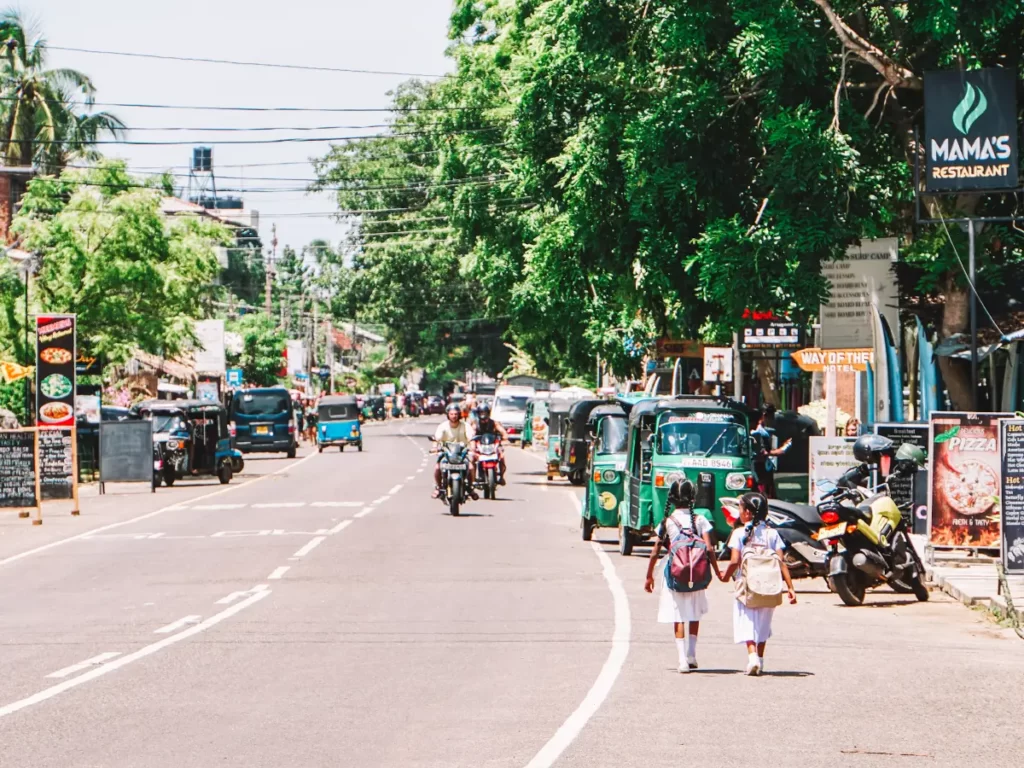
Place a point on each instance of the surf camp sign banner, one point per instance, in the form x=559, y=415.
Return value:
x=971, y=136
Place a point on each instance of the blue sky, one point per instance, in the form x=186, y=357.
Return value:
x=391, y=35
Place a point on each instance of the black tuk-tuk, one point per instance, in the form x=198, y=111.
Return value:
x=558, y=409
x=574, y=444
x=193, y=439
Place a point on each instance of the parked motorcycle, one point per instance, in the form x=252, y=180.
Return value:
x=796, y=525
x=454, y=471
x=488, y=464
x=865, y=532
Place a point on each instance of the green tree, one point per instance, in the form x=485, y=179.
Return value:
x=37, y=114
x=262, y=353
x=134, y=277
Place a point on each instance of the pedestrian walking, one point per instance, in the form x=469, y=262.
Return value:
x=686, y=537
x=760, y=571
x=764, y=461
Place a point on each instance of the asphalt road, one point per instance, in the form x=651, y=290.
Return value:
x=325, y=612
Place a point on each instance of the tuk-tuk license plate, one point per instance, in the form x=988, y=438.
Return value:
x=833, y=532
x=263, y=430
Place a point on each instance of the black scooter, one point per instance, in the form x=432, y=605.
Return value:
x=796, y=525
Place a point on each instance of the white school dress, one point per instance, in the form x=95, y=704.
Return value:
x=681, y=607
x=753, y=625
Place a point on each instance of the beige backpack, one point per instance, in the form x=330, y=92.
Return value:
x=760, y=584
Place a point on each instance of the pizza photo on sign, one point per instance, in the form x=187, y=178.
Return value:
x=965, y=501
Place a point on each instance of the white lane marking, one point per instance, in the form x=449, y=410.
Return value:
x=217, y=506
x=609, y=673
x=235, y=595
x=142, y=653
x=410, y=477
x=156, y=536
x=381, y=500
x=111, y=526
x=278, y=572
x=419, y=470
x=84, y=664
x=174, y=626
x=341, y=526
x=395, y=490
x=309, y=547
x=235, y=534
x=363, y=512
x=337, y=504
x=279, y=505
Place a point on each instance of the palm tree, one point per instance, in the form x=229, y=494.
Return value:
x=37, y=111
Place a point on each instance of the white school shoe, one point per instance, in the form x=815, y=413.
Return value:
x=754, y=668
x=691, y=662
x=684, y=668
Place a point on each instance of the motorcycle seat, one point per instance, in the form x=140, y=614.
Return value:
x=804, y=512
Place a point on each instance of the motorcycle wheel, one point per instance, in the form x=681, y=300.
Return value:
x=157, y=479
x=225, y=473
x=491, y=490
x=625, y=541
x=588, y=528
x=850, y=592
x=455, y=498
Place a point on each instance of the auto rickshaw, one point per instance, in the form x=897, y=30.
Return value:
x=338, y=422
x=703, y=438
x=373, y=407
x=535, y=426
x=574, y=444
x=193, y=438
x=558, y=409
x=606, y=468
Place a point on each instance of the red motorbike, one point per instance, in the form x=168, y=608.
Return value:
x=488, y=464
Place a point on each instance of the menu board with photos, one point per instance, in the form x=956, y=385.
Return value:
x=17, y=469
x=1011, y=440
x=56, y=476
x=55, y=370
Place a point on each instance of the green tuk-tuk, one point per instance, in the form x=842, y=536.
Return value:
x=574, y=444
x=703, y=438
x=558, y=409
x=606, y=468
x=535, y=426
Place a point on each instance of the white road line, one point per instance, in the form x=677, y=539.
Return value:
x=341, y=526
x=217, y=506
x=174, y=626
x=279, y=505
x=142, y=653
x=279, y=572
x=410, y=477
x=363, y=512
x=337, y=504
x=84, y=664
x=309, y=547
x=235, y=595
x=609, y=673
x=381, y=500
x=111, y=526
x=395, y=490
x=419, y=470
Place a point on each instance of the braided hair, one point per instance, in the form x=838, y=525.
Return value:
x=757, y=505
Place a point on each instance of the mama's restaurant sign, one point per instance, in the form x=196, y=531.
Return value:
x=970, y=121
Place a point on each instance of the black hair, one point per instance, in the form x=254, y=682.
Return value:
x=757, y=505
x=681, y=494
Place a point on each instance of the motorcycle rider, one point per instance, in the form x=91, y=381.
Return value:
x=487, y=426
x=454, y=430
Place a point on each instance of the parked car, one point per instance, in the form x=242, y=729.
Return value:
x=435, y=405
x=264, y=421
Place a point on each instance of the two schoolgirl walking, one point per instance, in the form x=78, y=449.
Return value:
x=756, y=564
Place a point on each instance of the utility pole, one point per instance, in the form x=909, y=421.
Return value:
x=330, y=353
x=270, y=268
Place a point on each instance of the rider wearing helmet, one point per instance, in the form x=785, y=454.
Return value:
x=487, y=426
x=454, y=430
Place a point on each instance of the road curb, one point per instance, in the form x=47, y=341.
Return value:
x=993, y=603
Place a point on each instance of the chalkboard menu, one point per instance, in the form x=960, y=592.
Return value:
x=901, y=489
x=126, y=452
x=1011, y=441
x=17, y=469
x=56, y=478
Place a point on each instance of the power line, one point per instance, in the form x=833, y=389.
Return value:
x=207, y=108
x=261, y=128
x=271, y=65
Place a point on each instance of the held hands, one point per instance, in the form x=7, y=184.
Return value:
x=792, y=597
x=649, y=584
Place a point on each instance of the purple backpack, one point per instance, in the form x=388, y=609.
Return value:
x=687, y=568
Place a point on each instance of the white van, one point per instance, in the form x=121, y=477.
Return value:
x=509, y=409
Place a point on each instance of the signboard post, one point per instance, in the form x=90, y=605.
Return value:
x=126, y=453
x=772, y=334
x=718, y=366
x=1011, y=448
x=57, y=462
x=963, y=465
x=210, y=354
x=858, y=281
x=55, y=370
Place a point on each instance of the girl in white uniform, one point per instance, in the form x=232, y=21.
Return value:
x=753, y=626
x=682, y=609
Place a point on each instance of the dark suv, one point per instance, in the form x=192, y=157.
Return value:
x=264, y=422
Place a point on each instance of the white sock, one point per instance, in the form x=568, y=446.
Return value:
x=760, y=661
x=691, y=645
x=681, y=648
x=754, y=658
